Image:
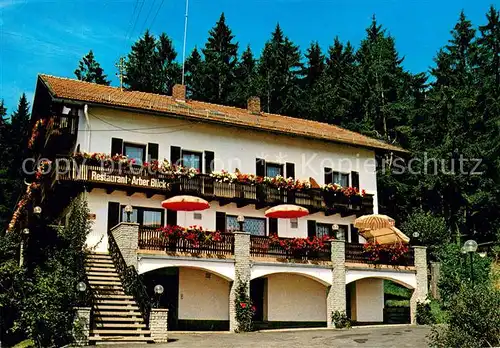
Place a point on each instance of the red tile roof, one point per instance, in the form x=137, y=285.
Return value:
x=70, y=89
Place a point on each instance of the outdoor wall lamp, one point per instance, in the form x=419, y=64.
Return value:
x=158, y=289
x=128, y=210
x=241, y=221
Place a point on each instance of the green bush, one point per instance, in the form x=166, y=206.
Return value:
x=431, y=312
x=37, y=301
x=340, y=320
x=474, y=319
x=455, y=271
x=432, y=229
x=244, y=308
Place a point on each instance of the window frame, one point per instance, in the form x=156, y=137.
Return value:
x=250, y=217
x=275, y=165
x=330, y=230
x=193, y=153
x=339, y=173
x=140, y=214
x=136, y=145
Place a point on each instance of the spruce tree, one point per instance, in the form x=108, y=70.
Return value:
x=195, y=72
x=90, y=70
x=151, y=65
x=245, y=78
x=279, y=72
x=220, y=63
x=315, y=64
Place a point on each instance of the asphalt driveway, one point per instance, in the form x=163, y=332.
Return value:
x=373, y=336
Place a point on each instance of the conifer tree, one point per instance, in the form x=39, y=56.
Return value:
x=279, y=72
x=246, y=79
x=315, y=64
x=220, y=63
x=195, y=71
x=90, y=70
x=151, y=65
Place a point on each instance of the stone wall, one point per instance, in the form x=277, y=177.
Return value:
x=241, y=272
x=81, y=326
x=421, y=290
x=158, y=324
x=126, y=235
x=336, y=299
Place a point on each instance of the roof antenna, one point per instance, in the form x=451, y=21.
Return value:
x=184, y=47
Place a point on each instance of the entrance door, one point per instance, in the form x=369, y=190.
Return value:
x=257, y=288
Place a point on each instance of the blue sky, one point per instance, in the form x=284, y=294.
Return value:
x=50, y=36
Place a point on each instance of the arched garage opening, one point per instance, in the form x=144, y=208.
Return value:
x=288, y=300
x=197, y=299
x=374, y=300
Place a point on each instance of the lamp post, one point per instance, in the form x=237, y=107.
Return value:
x=128, y=211
x=415, y=236
x=158, y=289
x=337, y=233
x=241, y=221
x=470, y=247
x=81, y=287
x=37, y=210
x=24, y=239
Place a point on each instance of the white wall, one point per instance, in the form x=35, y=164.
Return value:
x=292, y=297
x=98, y=204
x=233, y=147
x=202, y=295
x=369, y=300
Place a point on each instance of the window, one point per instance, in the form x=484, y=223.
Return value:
x=341, y=178
x=294, y=223
x=252, y=225
x=323, y=230
x=191, y=159
x=274, y=169
x=134, y=151
x=144, y=216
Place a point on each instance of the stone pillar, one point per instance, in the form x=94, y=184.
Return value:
x=421, y=291
x=158, y=325
x=435, y=273
x=336, y=298
x=241, y=272
x=81, y=326
x=126, y=235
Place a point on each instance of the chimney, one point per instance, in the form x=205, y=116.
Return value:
x=179, y=92
x=253, y=105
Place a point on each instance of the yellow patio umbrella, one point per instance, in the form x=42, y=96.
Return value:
x=380, y=228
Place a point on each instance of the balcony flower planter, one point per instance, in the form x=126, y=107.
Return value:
x=395, y=254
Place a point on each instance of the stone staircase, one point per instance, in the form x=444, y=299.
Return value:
x=116, y=316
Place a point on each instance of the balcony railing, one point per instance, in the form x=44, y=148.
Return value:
x=151, y=238
x=207, y=187
x=263, y=247
x=355, y=253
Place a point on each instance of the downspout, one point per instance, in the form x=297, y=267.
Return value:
x=86, y=113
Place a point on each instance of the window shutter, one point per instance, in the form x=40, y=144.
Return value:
x=354, y=235
x=273, y=226
x=171, y=217
x=152, y=152
x=260, y=167
x=290, y=170
x=328, y=176
x=355, y=179
x=116, y=146
x=175, y=155
x=209, y=162
x=220, y=221
x=311, y=228
x=113, y=214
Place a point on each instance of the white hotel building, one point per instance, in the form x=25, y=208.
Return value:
x=287, y=291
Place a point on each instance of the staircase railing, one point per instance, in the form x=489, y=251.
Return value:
x=131, y=280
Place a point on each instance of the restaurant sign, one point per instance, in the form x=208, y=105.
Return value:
x=131, y=180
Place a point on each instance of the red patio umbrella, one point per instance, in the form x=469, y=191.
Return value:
x=286, y=211
x=185, y=203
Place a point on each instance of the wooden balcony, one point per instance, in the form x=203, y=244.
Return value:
x=140, y=180
x=151, y=238
x=355, y=253
x=263, y=247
